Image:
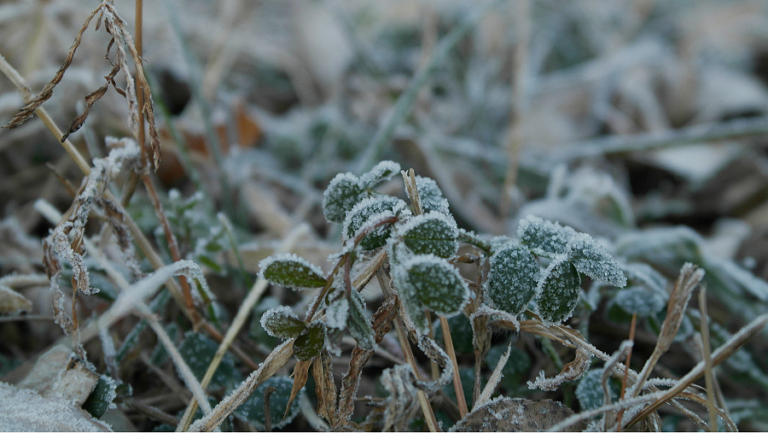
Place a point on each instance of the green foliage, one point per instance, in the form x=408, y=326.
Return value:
x=370, y=211
x=282, y=322
x=358, y=323
x=101, y=397
x=310, y=341
x=559, y=291
x=432, y=233
x=513, y=278
x=252, y=410
x=292, y=271
x=515, y=370
x=198, y=351
x=590, y=392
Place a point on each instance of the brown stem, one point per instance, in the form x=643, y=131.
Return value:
x=456, y=377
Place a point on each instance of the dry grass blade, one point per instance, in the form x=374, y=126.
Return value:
x=721, y=354
x=28, y=110
x=709, y=375
x=690, y=276
x=493, y=381
x=300, y=376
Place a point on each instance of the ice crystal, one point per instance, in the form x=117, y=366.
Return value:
x=336, y=314
x=513, y=278
x=592, y=259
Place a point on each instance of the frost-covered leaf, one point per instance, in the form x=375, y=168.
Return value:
x=590, y=392
x=290, y=270
x=414, y=310
x=593, y=260
x=359, y=324
x=544, y=238
x=12, y=302
x=369, y=209
x=336, y=313
x=282, y=322
x=641, y=273
x=101, y=397
x=252, y=410
x=518, y=414
x=431, y=233
x=198, y=351
x=558, y=291
x=379, y=173
x=310, y=342
x=431, y=197
x=340, y=197
x=639, y=300
x=436, y=284
x=513, y=278
x=669, y=246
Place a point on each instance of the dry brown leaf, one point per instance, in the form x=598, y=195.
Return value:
x=58, y=374
x=12, y=302
x=300, y=376
x=515, y=414
x=325, y=387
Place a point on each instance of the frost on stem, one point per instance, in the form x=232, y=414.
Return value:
x=369, y=210
x=558, y=291
x=431, y=197
x=513, y=278
x=430, y=233
x=290, y=270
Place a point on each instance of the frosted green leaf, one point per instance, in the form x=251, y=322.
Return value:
x=590, y=392
x=436, y=284
x=644, y=274
x=430, y=196
x=310, y=342
x=513, y=278
x=461, y=333
x=359, y=324
x=252, y=410
x=198, y=351
x=640, y=300
x=282, y=322
x=414, y=310
x=379, y=173
x=544, y=238
x=558, y=291
x=592, y=259
x=432, y=233
x=290, y=270
x=102, y=396
x=369, y=209
x=340, y=197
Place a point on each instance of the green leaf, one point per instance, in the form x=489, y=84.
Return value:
x=198, y=351
x=358, y=322
x=290, y=270
x=101, y=397
x=639, y=300
x=436, y=284
x=310, y=342
x=558, y=291
x=432, y=233
x=461, y=333
x=590, y=392
x=340, y=197
x=379, y=173
x=282, y=322
x=367, y=210
x=252, y=410
x=515, y=370
x=513, y=278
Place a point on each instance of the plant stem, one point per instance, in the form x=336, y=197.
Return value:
x=456, y=377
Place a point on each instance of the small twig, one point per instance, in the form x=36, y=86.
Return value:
x=267, y=414
x=624, y=379
x=153, y=413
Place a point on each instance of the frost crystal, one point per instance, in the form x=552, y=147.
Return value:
x=430, y=196
x=431, y=233
x=282, y=322
x=336, y=314
x=513, y=278
x=379, y=173
x=341, y=195
x=290, y=270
